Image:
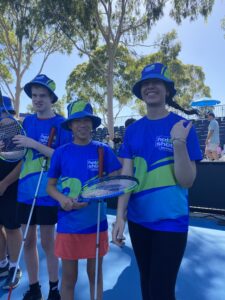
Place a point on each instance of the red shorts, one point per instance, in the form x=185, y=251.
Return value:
x=78, y=246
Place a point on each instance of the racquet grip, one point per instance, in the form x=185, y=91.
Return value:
x=51, y=136
x=100, y=161
x=1, y=99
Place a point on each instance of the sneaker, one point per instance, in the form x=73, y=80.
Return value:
x=30, y=295
x=54, y=295
x=4, y=271
x=8, y=283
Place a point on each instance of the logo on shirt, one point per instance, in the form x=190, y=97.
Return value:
x=92, y=165
x=44, y=139
x=163, y=143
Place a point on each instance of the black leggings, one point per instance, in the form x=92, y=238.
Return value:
x=159, y=255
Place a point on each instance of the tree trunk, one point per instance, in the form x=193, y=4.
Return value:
x=110, y=95
x=17, y=97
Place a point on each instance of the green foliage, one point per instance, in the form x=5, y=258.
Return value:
x=89, y=80
x=182, y=9
x=22, y=36
x=74, y=18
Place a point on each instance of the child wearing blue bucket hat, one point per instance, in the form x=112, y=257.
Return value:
x=160, y=150
x=39, y=127
x=75, y=164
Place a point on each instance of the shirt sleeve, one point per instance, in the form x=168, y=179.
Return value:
x=125, y=150
x=55, y=165
x=111, y=162
x=193, y=146
x=65, y=136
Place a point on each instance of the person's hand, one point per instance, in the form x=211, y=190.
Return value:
x=3, y=188
x=179, y=131
x=68, y=203
x=23, y=141
x=117, y=232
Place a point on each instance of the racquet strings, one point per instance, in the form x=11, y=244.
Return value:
x=9, y=127
x=109, y=187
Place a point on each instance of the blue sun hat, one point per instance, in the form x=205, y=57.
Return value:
x=7, y=105
x=44, y=81
x=80, y=109
x=156, y=70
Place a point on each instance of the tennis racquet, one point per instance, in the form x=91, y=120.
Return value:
x=9, y=127
x=108, y=187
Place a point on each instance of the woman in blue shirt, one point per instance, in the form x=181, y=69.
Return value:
x=160, y=150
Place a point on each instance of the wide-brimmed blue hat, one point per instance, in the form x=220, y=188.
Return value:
x=44, y=81
x=156, y=70
x=80, y=109
x=7, y=105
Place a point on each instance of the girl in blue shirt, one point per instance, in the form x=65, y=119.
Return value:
x=75, y=164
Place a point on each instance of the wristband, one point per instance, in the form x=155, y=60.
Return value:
x=178, y=139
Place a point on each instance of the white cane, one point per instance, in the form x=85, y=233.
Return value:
x=43, y=167
x=100, y=173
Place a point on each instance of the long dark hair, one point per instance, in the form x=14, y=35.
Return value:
x=170, y=102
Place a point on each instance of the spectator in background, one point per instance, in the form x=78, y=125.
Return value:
x=108, y=141
x=129, y=121
x=213, y=138
x=117, y=140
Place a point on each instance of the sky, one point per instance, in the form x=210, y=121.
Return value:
x=203, y=44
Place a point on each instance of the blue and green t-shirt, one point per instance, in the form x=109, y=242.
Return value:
x=39, y=130
x=159, y=202
x=74, y=165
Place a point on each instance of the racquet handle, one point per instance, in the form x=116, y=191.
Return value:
x=51, y=136
x=1, y=99
x=100, y=161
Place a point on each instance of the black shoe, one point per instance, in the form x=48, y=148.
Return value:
x=30, y=295
x=4, y=271
x=54, y=295
x=8, y=283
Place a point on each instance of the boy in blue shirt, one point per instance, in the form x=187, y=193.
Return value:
x=38, y=127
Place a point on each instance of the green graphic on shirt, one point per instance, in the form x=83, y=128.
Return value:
x=31, y=165
x=71, y=186
x=159, y=177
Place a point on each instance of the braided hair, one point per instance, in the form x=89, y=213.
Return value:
x=170, y=102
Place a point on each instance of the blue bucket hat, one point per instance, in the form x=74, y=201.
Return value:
x=80, y=109
x=7, y=105
x=156, y=70
x=43, y=81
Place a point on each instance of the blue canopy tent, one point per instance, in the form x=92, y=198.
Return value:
x=205, y=102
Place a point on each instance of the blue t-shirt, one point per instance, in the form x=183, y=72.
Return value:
x=74, y=165
x=39, y=130
x=159, y=202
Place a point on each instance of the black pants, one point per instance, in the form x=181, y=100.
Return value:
x=159, y=255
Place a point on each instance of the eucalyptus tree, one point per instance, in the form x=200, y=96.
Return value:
x=89, y=23
x=88, y=83
x=22, y=37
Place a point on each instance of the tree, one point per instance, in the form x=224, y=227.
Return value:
x=189, y=79
x=87, y=83
x=22, y=36
x=114, y=22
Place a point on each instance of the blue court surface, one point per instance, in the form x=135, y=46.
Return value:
x=201, y=277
